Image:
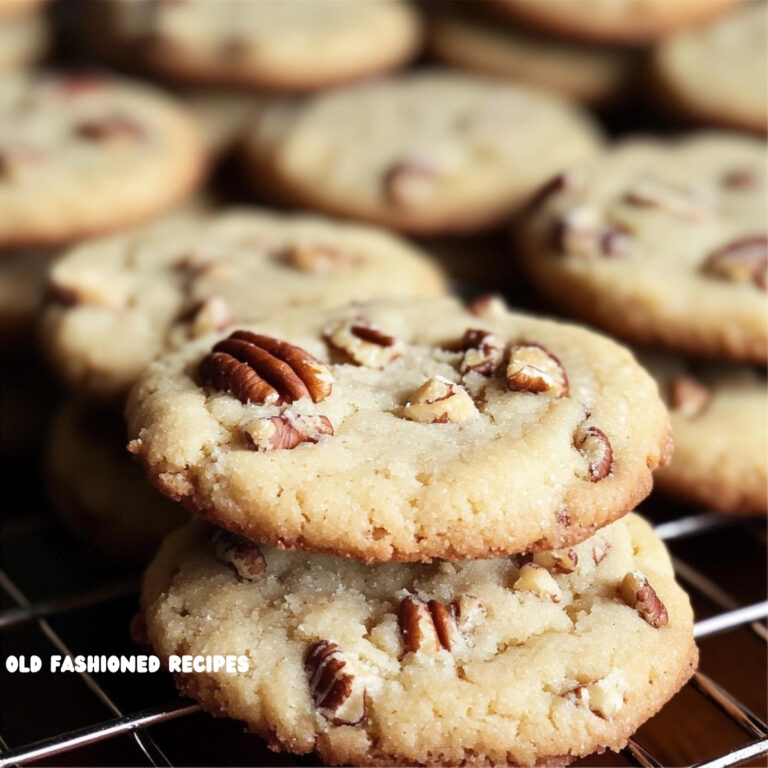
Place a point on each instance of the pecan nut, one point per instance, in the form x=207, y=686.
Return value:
x=316, y=259
x=741, y=261
x=211, y=314
x=483, y=352
x=593, y=444
x=688, y=396
x=410, y=183
x=242, y=556
x=677, y=202
x=286, y=431
x=488, y=305
x=639, y=594
x=334, y=689
x=558, y=560
x=440, y=401
x=600, y=550
x=532, y=368
x=365, y=343
x=604, y=697
x=111, y=128
x=537, y=579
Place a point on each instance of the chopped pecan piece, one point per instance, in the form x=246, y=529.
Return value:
x=558, y=560
x=563, y=182
x=639, y=594
x=242, y=556
x=111, y=128
x=286, y=431
x=488, y=305
x=688, y=396
x=615, y=240
x=741, y=178
x=417, y=626
x=334, y=689
x=262, y=369
x=742, y=261
x=365, y=343
x=532, y=368
x=439, y=400
x=604, y=697
x=578, y=231
x=316, y=258
x=410, y=183
x=677, y=202
x=593, y=444
x=537, y=579
x=211, y=314
x=483, y=352
x=467, y=612
x=600, y=550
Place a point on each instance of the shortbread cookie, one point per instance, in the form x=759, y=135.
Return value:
x=513, y=661
x=98, y=491
x=22, y=40
x=118, y=302
x=612, y=21
x=461, y=36
x=719, y=415
x=660, y=242
x=718, y=73
x=428, y=152
x=402, y=430
x=83, y=153
x=23, y=279
x=285, y=46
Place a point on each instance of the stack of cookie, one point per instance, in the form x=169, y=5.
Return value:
x=421, y=543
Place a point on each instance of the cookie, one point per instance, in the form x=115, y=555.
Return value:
x=12, y=9
x=628, y=22
x=719, y=414
x=427, y=431
x=718, y=73
x=100, y=494
x=511, y=661
x=23, y=277
x=660, y=242
x=270, y=44
x=428, y=153
x=22, y=40
x=118, y=302
x=84, y=153
x=464, y=37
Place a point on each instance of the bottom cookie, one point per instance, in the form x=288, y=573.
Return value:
x=523, y=661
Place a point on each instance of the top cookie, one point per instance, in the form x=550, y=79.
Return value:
x=296, y=45
x=115, y=303
x=612, y=21
x=402, y=431
x=719, y=73
x=428, y=153
x=83, y=153
x=660, y=242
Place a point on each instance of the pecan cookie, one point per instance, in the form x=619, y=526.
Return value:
x=719, y=415
x=512, y=661
x=660, y=242
x=286, y=46
x=22, y=40
x=402, y=430
x=431, y=152
x=110, y=504
x=718, y=73
x=116, y=303
x=85, y=153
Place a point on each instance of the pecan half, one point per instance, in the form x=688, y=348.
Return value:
x=688, y=396
x=111, y=128
x=262, y=369
x=483, y=352
x=439, y=400
x=242, y=556
x=426, y=626
x=742, y=261
x=286, y=431
x=677, y=202
x=365, y=343
x=532, y=368
x=537, y=579
x=593, y=444
x=332, y=686
x=558, y=560
x=639, y=594
x=409, y=183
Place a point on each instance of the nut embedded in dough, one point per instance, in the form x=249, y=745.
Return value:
x=286, y=431
x=537, y=579
x=639, y=594
x=365, y=343
x=439, y=401
x=483, y=352
x=593, y=444
x=242, y=556
x=688, y=396
x=532, y=368
x=741, y=261
x=335, y=691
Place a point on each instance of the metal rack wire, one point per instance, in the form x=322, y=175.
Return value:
x=138, y=725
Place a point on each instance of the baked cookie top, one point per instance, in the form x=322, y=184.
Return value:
x=718, y=73
x=117, y=302
x=719, y=415
x=431, y=152
x=402, y=430
x=522, y=661
x=660, y=242
x=294, y=46
x=84, y=153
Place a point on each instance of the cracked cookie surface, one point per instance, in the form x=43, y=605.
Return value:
x=448, y=434
x=660, y=242
x=504, y=661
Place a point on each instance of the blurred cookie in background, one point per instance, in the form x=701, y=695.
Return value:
x=23, y=39
x=431, y=152
x=98, y=491
x=12, y=9
x=719, y=414
x=717, y=73
x=660, y=242
x=270, y=44
x=629, y=22
x=464, y=36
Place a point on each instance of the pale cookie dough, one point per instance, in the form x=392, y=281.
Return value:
x=410, y=437
x=660, y=242
x=429, y=153
x=629, y=22
x=85, y=153
x=461, y=36
x=101, y=495
x=22, y=40
x=718, y=73
x=493, y=662
x=118, y=302
x=285, y=46
x=719, y=415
